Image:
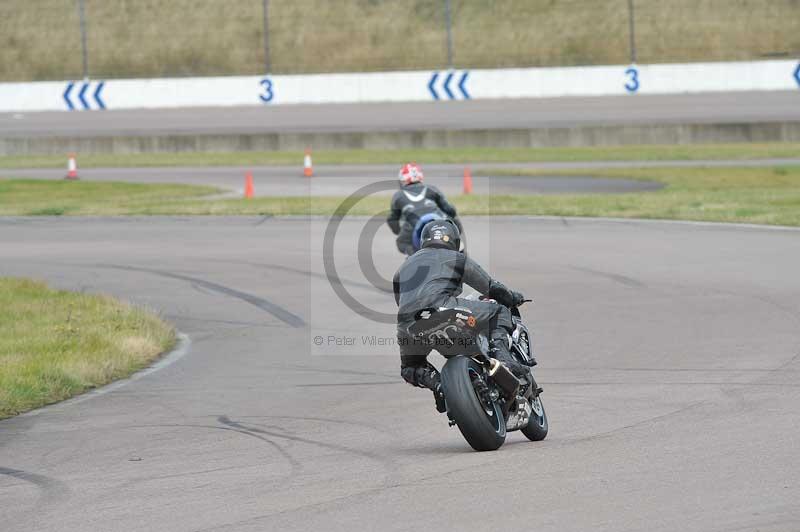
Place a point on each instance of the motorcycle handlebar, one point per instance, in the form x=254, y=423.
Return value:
x=485, y=298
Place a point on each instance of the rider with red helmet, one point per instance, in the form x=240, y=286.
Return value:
x=414, y=204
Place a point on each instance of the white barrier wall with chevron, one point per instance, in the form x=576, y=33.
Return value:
x=400, y=86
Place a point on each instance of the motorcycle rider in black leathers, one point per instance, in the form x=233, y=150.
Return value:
x=411, y=202
x=432, y=278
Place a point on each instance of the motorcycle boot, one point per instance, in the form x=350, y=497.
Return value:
x=499, y=349
x=429, y=377
x=438, y=396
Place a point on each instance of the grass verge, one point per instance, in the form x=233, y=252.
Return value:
x=56, y=344
x=31, y=197
x=693, y=152
x=762, y=195
x=746, y=195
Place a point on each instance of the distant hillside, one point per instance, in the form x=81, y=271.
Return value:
x=40, y=39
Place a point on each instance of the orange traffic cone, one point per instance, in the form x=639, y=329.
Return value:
x=467, y=180
x=72, y=167
x=248, y=185
x=308, y=169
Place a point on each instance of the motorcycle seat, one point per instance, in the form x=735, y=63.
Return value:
x=445, y=329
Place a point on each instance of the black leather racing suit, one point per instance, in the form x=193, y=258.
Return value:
x=412, y=202
x=433, y=278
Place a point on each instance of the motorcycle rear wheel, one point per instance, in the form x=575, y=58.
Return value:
x=479, y=419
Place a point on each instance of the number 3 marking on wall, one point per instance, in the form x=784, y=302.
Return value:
x=267, y=94
x=633, y=83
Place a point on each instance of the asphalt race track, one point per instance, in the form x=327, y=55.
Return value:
x=669, y=354
x=341, y=180
x=729, y=107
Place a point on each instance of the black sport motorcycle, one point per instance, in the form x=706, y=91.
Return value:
x=482, y=397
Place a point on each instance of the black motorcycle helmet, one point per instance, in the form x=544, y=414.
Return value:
x=442, y=234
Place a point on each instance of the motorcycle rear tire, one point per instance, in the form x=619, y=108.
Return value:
x=483, y=431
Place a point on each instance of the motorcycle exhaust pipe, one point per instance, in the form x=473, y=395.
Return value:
x=508, y=383
x=521, y=415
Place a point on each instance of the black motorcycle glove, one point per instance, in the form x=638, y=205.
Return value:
x=516, y=298
x=504, y=296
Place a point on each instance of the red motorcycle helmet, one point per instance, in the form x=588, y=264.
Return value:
x=410, y=173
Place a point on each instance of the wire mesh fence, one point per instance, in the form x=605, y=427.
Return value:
x=69, y=39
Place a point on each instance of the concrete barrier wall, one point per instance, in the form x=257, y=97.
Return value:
x=500, y=138
x=95, y=95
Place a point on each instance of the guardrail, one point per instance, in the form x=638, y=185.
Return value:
x=98, y=95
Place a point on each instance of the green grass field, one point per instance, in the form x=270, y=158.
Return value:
x=694, y=152
x=55, y=198
x=41, y=40
x=763, y=195
x=748, y=195
x=56, y=344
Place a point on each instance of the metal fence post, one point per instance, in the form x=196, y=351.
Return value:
x=85, y=53
x=267, y=64
x=632, y=31
x=449, y=22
